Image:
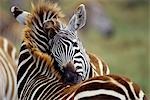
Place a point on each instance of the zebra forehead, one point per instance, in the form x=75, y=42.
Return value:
x=44, y=10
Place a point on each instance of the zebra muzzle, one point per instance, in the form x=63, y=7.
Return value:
x=70, y=75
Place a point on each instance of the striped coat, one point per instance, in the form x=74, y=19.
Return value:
x=8, y=81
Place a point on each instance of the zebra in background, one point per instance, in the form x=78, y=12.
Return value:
x=8, y=67
x=72, y=50
x=38, y=78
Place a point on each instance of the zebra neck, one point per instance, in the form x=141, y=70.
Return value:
x=38, y=56
x=36, y=40
x=32, y=64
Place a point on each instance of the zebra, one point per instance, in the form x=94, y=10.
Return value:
x=39, y=79
x=76, y=54
x=8, y=67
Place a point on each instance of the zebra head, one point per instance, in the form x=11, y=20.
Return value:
x=68, y=50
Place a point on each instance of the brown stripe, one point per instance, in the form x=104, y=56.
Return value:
x=97, y=85
x=10, y=48
x=94, y=61
x=1, y=42
x=104, y=67
x=124, y=81
x=136, y=89
x=100, y=97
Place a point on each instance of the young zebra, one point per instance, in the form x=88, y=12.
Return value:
x=62, y=41
x=8, y=81
x=38, y=78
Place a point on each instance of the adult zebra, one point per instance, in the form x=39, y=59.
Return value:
x=62, y=41
x=38, y=78
x=8, y=67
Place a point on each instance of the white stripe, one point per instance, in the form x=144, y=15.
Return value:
x=39, y=21
x=13, y=54
x=107, y=71
x=21, y=65
x=141, y=95
x=35, y=25
x=49, y=13
x=64, y=95
x=5, y=45
x=122, y=87
x=98, y=92
x=132, y=89
x=101, y=67
x=21, y=53
x=70, y=96
x=44, y=17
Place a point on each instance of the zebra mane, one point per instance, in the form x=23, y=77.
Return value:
x=43, y=7
x=38, y=12
x=48, y=59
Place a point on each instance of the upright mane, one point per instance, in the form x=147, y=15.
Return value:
x=41, y=9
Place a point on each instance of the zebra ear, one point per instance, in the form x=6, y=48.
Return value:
x=20, y=14
x=78, y=20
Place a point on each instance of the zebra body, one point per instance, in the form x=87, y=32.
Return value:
x=8, y=81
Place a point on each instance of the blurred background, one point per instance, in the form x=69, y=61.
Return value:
x=116, y=30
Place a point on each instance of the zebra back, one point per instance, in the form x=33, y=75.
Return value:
x=8, y=67
x=108, y=87
x=99, y=67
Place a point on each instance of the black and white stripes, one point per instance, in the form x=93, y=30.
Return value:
x=8, y=67
x=67, y=48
